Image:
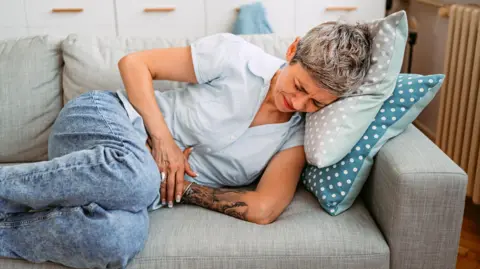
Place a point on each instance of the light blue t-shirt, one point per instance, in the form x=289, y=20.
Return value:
x=214, y=115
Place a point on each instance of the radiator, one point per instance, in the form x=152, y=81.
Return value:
x=458, y=129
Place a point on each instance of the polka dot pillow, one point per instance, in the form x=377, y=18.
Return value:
x=338, y=185
x=347, y=121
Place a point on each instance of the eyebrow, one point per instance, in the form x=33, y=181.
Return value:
x=303, y=88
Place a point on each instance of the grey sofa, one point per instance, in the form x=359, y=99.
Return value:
x=408, y=216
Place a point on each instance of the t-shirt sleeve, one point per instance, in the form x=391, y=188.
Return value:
x=295, y=137
x=212, y=54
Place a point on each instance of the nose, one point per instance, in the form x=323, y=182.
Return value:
x=299, y=102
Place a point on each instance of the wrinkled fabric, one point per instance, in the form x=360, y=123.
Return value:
x=87, y=206
x=215, y=115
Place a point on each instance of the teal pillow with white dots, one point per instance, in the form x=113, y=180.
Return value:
x=337, y=186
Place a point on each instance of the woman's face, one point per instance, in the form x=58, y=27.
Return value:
x=295, y=90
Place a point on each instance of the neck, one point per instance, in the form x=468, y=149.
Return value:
x=269, y=102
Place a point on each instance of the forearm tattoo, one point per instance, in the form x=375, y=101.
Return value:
x=226, y=201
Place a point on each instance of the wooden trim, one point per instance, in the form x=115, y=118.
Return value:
x=341, y=8
x=431, y=3
x=443, y=9
x=65, y=10
x=159, y=9
x=444, y=12
x=425, y=130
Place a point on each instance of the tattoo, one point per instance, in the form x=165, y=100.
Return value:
x=226, y=201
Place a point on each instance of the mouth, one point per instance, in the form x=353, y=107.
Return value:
x=287, y=105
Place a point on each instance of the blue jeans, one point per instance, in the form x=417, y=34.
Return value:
x=86, y=207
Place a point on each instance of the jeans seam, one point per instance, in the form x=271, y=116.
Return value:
x=93, y=96
x=23, y=223
x=71, y=166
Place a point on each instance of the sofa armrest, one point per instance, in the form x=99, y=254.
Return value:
x=416, y=194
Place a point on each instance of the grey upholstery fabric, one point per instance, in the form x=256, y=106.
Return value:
x=303, y=237
x=416, y=195
x=30, y=96
x=91, y=61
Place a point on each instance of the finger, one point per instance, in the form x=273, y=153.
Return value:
x=163, y=191
x=187, y=152
x=148, y=140
x=179, y=184
x=170, y=187
x=148, y=147
x=188, y=169
x=162, y=165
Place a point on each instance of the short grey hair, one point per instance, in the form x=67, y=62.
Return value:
x=336, y=55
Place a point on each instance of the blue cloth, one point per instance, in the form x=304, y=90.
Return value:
x=252, y=19
x=86, y=207
x=214, y=115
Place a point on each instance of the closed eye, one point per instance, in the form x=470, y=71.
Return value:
x=300, y=89
x=319, y=104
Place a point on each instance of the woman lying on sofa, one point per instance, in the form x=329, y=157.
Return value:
x=241, y=117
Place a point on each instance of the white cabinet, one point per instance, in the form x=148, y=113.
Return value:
x=61, y=17
x=171, y=18
x=164, y=18
x=63, y=31
x=13, y=22
x=221, y=15
x=12, y=32
x=310, y=13
x=12, y=13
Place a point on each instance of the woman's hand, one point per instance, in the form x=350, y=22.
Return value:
x=173, y=165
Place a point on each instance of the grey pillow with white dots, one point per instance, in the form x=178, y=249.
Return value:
x=331, y=132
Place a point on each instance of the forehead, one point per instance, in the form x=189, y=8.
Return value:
x=310, y=85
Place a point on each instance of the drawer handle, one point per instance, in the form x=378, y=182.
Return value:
x=341, y=8
x=74, y=10
x=159, y=9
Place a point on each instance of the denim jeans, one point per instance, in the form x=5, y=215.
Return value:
x=86, y=207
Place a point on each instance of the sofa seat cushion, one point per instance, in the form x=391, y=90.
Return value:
x=304, y=236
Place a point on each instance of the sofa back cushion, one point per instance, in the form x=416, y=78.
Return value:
x=30, y=96
x=91, y=61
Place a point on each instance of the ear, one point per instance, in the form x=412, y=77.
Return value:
x=292, y=49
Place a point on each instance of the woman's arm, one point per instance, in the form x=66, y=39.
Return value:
x=241, y=204
x=138, y=69
x=273, y=194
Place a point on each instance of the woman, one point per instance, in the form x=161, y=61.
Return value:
x=240, y=118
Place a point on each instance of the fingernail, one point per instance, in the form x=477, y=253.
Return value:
x=178, y=198
x=164, y=202
x=163, y=175
x=170, y=204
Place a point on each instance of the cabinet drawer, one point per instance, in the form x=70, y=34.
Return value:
x=221, y=15
x=12, y=13
x=310, y=13
x=85, y=12
x=166, y=18
x=63, y=31
x=12, y=32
